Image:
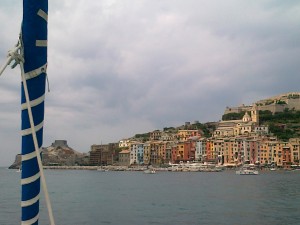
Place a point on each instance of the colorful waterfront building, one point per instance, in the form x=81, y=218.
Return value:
x=124, y=143
x=250, y=150
x=157, y=152
x=137, y=153
x=210, y=156
x=180, y=152
x=286, y=155
x=147, y=152
x=218, y=152
x=200, y=147
x=174, y=154
x=190, y=149
x=295, y=150
x=161, y=152
x=124, y=158
x=102, y=154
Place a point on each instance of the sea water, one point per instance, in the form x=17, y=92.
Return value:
x=81, y=197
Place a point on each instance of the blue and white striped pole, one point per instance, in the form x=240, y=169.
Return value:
x=34, y=51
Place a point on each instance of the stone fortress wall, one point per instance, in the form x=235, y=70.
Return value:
x=273, y=104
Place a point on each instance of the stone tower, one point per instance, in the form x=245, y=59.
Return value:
x=255, y=115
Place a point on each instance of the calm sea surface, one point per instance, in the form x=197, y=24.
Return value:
x=166, y=198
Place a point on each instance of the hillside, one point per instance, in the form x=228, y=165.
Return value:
x=284, y=124
x=281, y=113
x=207, y=130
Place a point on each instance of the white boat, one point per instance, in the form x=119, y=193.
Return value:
x=150, y=171
x=246, y=170
x=101, y=169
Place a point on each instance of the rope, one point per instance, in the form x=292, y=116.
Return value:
x=13, y=55
x=48, y=84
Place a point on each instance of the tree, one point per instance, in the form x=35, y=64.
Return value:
x=233, y=116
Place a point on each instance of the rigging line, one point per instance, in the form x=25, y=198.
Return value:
x=43, y=180
x=12, y=55
x=5, y=65
x=48, y=84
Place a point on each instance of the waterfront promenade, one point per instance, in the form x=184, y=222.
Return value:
x=161, y=169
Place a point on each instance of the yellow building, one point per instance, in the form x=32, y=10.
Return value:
x=184, y=135
x=158, y=152
x=147, y=153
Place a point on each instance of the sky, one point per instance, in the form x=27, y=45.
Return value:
x=117, y=68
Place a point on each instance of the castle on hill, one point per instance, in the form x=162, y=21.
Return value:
x=273, y=104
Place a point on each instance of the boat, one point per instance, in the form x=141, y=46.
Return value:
x=102, y=169
x=19, y=170
x=295, y=167
x=247, y=170
x=30, y=53
x=150, y=171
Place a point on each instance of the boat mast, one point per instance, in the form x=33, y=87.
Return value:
x=31, y=54
x=34, y=50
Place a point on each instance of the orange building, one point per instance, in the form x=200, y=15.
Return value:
x=158, y=152
x=174, y=154
x=250, y=151
x=286, y=157
x=189, y=150
x=210, y=150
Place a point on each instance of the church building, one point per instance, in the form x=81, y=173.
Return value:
x=247, y=125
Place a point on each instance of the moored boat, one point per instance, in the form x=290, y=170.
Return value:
x=247, y=170
x=102, y=169
x=150, y=171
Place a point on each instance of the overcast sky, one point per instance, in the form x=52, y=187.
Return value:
x=121, y=67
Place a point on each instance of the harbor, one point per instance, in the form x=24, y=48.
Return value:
x=193, y=167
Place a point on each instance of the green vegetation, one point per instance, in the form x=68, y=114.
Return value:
x=287, y=116
x=233, y=116
x=207, y=128
x=144, y=137
x=264, y=116
x=281, y=102
x=284, y=125
x=293, y=96
x=169, y=129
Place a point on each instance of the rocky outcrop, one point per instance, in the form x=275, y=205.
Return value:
x=58, y=154
x=17, y=162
